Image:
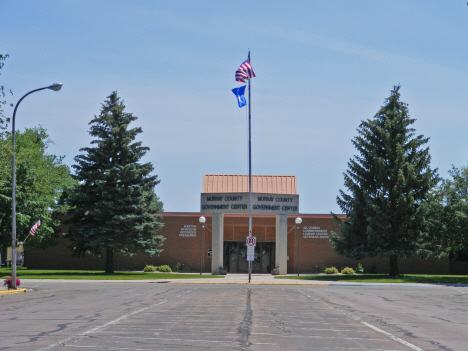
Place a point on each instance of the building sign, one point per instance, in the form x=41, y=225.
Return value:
x=250, y=253
x=251, y=243
x=188, y=230
x=309, y=232
x=239, y=203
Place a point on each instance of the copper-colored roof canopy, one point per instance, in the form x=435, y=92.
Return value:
x=265, y=184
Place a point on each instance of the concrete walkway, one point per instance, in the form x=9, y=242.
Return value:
x=268, y=279
x=241, y=278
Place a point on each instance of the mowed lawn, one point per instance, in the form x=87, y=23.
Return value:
x=98, y=275
x=24, y=273
x=382, y=278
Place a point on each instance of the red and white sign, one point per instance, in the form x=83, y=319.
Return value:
x=251, y=240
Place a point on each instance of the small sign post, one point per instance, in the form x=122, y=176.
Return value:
x=251, y=242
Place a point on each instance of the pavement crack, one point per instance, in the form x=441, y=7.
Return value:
x=280, y=323
x=59, y=328
x=441, y=319
x=439, y=346
x=244, y=327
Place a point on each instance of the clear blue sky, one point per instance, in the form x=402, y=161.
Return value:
x=321, y=66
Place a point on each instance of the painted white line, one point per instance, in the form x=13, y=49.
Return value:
x=464, y=293
x=101, y=327
x=391, y=336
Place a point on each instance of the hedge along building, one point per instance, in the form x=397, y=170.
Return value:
x=280, y=242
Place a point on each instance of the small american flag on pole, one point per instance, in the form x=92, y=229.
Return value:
x=244, y=72
x=34, y=227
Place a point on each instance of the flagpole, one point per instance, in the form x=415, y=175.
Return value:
x=29, y=234
x=250, y=177
x=27, y=237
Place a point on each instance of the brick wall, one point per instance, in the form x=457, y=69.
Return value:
x=183, y=244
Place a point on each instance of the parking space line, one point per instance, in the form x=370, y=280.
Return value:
x=464, y=293
x=391, y=336
x=101, y=327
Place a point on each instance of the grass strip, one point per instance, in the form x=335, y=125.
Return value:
x=99, y=275
x=382, y=278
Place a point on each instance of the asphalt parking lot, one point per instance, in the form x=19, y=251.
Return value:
x=135, y=315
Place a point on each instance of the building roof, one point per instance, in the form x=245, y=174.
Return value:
x=264, y=184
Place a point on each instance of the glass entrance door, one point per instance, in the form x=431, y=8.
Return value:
x=235, y=257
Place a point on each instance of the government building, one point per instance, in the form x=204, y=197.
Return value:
x=215, y=237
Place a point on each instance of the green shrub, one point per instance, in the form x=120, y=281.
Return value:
x=185, y=269
x=331, y=270
x=149, y=268
x=359, y=268
x=347, y=270
x=177, y=267
x=180, y=267
x=317, y=269
x=164, y=268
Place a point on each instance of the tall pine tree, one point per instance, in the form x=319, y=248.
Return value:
x=111, y=208
x=387, y=184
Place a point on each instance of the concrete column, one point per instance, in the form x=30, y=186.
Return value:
x=282, y=243
x=217, y=240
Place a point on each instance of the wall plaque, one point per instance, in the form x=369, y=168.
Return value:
x=239, y=203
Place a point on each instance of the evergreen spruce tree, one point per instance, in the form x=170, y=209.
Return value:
x=387, y=184
x=111, y=208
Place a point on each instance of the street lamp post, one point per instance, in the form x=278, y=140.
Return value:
x=202, y=220
x=55, y=87
x=298, y=221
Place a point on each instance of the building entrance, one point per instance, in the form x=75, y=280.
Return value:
x=235, y=257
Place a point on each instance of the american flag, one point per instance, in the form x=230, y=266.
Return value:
x=34, y=227
x=244, y=72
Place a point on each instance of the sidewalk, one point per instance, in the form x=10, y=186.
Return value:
x=243, y=278
x=240, y=279
x=231, y=278
x=268, y=279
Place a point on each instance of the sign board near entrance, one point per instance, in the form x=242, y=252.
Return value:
x=310, y=232
x=250, y=253
x=188, y=230
x=239, y=203
x=251, y=240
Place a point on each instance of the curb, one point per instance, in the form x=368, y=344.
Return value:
x=246, y=283
x=7, y=292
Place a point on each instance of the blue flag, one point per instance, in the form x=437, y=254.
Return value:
x=239, y=93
